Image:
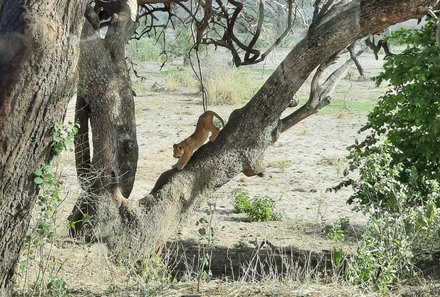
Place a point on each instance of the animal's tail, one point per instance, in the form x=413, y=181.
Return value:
x=218, y=117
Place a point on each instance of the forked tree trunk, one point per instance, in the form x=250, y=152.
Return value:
x=105, y=101
x=136, y=228
x=38, y=56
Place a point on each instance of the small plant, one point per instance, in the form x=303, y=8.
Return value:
x=63, y=136
x=155, y=275
x=258, y=208
x=49, y=184
x=57, y=287
x=336, y=232
x=206, y=240
x=263, y=209
x=242, y=202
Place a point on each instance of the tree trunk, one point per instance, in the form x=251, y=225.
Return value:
x=105, y=100
x=136, y=228
x=38, y=56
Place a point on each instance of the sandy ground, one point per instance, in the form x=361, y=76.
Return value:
x=301, y=166
x=307, y=160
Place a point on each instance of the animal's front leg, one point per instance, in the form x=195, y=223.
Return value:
x=183, y=161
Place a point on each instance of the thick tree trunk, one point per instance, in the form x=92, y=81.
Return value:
x=105, y=100
x=38, y=56
x=136, y=228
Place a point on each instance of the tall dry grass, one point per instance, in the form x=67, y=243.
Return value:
x=228, y=86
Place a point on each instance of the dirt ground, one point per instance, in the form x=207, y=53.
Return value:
x=307, y=160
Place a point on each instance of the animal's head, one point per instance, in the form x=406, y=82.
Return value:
x=178, y=150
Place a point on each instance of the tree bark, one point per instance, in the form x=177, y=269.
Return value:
x=39, y=44
x=105, y=100
x=136, y=228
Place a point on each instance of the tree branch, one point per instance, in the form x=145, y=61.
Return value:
x=320, y=95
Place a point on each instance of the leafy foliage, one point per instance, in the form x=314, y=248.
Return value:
x=408, y=115
x=403, y=225
x=63, y=136
x=336, y=232
x=49, y=182
x=398, y=165
x=258, y=208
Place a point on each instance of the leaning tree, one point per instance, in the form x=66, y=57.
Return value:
x=39, y=62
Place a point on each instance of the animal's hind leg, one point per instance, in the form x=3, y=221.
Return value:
x=214, y=132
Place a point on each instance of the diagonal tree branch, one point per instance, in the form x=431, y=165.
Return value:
x=320, y=94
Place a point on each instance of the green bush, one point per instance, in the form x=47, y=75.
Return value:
x=258, y=208
x=242, y=202
x=404, y=220
x=398, y=165
x=407, y=116
x=262, y=209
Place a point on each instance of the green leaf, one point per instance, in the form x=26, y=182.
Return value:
x=38, y=180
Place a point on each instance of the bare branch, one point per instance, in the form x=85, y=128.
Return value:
x=201, y=26
x=319, y=13
x=353, y=56
x=382, y=43
x=320, y=95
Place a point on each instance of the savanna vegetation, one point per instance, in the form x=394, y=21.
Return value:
x=52, y=52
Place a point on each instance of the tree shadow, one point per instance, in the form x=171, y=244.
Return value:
x=188, y=258
x=246, y=262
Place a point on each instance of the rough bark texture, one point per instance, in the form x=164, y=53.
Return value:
x=105, y=101
x=131, y=227
x=38, y=57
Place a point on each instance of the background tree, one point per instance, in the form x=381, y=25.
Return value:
x=39, y=50
x=35, y=89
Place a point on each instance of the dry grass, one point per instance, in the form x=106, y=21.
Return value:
x=280, y=164
x=179, y=78
x=229, y=86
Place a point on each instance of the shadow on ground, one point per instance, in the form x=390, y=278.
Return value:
x=246, y=262
x=264, y=260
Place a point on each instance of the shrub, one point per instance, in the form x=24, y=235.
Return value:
x=262, y=209
x=407, y=115
x=242, y=202
x=403, y=225
x=398, y=184
x=258, y=208
x=180, y=77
